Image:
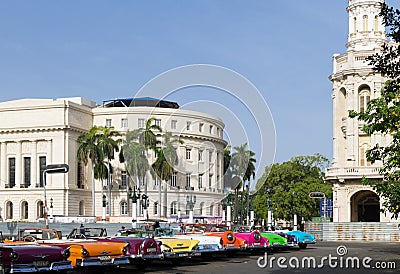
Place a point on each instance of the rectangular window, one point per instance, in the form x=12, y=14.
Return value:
x=188, y=153
x=108, y=122
x=11, y=172
x=140, y=123
x=173, y=179
x=211, y=129
x=201, y=125
x=188, y=125
x=188, y=181
x=124, y=208
x=27, y=172
x=155, y=212
x=173, y=124
x=200, y=155
x=80, y=176
x=210, y=153
x=156, y=181
x=124, y=180
x=42, y=167
x=210, y=181
x=200, y=181
x=124, y=123
x=157, y=122
x=218, y=132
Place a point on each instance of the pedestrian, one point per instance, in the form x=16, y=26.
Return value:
x=82, y=229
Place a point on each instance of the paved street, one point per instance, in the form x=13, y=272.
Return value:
x=382, y=255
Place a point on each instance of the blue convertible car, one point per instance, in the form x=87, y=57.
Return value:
x=303, y=238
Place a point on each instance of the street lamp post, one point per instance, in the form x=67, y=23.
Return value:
x=104, y=204
x=51, y=209
x=145, y=204
x=191, y=200
x=269, y=221
x=228, y=209
x=134, y=198
x=59, y=168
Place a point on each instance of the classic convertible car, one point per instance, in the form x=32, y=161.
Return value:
x=207, y=244
x=303, y=238
x=83, y=252
x=176, y=249
x=29, y=258
x=230, y=242
x=254, y=241
x=275, y=241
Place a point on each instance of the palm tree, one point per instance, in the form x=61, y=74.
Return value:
x=167, y=158
x=88, y=150
x=134, y=154
x=108, y=143
x=148, y=137
x=242, y=158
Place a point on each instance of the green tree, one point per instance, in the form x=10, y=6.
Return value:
x=382, y=115
x=243, y=166
x=108, y=143
x=287, y=187
x=134, y=152
x=89, y=151
x=147, y=136
x=167, y=158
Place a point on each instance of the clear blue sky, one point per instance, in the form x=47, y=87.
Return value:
x=107, y=49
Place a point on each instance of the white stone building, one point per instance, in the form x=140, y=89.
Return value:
x=38, y=132
x=354, y=84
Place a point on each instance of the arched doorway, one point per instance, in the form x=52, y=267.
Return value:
x=40, y=209
x=365, y=207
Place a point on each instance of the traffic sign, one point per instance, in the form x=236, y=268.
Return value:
x=59, y=168
x=317, y=195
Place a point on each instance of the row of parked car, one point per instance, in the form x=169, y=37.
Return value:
x=41, y=249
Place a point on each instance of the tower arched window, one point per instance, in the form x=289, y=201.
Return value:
x=364, y=97
x=354, y=24
x=376, y=23
x=365, y=22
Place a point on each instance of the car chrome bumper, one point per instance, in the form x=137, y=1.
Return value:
x=23, y=268
x=98, y=262
x=174, y=255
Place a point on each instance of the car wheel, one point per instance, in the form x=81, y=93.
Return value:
x=302, y=245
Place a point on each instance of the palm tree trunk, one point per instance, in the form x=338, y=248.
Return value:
x=236, y=205
x=159, y=199
x=109, y=188
x=165, y=202
x=242, y=211
x=93, y=193
x=248, y=204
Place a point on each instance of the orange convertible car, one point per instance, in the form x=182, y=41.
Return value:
x=229, y=241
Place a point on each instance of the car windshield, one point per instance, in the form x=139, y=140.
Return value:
x=39, y=234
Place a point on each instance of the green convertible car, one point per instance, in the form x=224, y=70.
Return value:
x=275, y=241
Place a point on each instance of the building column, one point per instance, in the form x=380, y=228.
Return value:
x=3, y=164
x=18, y=165
x=49, y=160
x=34, y=168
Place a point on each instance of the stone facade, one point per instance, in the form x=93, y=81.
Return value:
x=38, y=132
x=354, y=84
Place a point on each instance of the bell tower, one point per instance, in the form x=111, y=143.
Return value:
x=354, y=83
x=366, y=31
